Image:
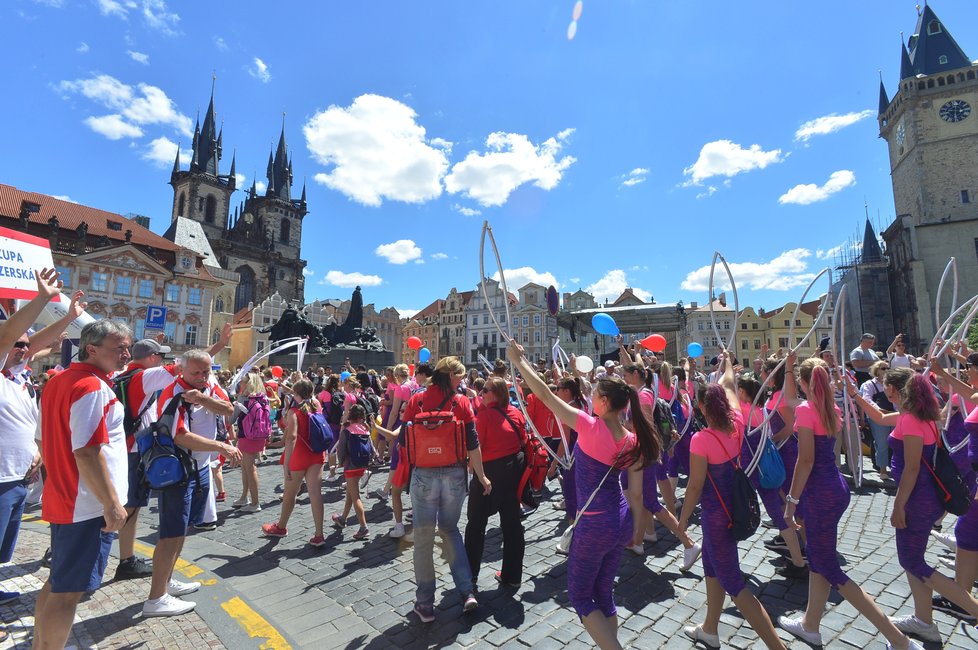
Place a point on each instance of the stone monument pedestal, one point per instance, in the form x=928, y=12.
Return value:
x=371, y=359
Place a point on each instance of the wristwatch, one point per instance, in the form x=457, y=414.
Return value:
x=791, y=499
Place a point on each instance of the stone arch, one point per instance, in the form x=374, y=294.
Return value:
x=245, y=293
x=210, y=210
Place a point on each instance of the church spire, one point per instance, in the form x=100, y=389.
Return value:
x=176, y=164
x=871, y=245
x=280, y=169
x=932, y=48
x=207, y=142
x=884, y=100
x=232, y=179
x=906, y=67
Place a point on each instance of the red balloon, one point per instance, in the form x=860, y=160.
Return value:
x=411, y=369
x=654, y=342
x=414, y=343
x=277, y=371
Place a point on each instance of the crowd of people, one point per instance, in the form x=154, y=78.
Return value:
x=622, y=439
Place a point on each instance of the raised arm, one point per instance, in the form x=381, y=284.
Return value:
x=564, y=411
x=222, y=342
x=961, y=388
x=48, y=286
x=48, y=337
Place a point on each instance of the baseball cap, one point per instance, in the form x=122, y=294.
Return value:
x=866, y=336
x=146, y=347
x=609, y=364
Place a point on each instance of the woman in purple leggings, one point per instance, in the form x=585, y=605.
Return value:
x=964, y=395
x=713, y=451
x=604, y=447
x=824, y=496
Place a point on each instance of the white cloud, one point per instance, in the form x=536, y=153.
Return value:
x=307, y=272
x=786, y=271
x=113, y=127
x=810, y=193
x=612, y=285
x=57, y=4
x=439, y=256
x=407, y=313
x=634, y=177
x=468, y=212
x=140, y=106
x=259, y=70
x=240, y=180
x=639, y=268
x=162, y=151
x=350, y=280
x=400, y=252
x=510, y=161
x=154, y=12
x=116, y=7
x=82, y=48
x=829, y=124
x=835, y=251
x=65, y=197
x=260, y=186
x=726, y=158
x=516, y=278
x=574, y=280
x=138, y=57
x=376, y=150
x=220, y=44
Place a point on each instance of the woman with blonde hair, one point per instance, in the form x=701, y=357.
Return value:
x=820, y=495
x=251, y=405
x=874, y=391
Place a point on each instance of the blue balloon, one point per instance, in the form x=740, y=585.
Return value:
x=424, y=354
x=344, y=375
x=694, y=349
x=604, y=324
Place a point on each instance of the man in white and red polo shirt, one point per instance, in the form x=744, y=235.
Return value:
x=195, y=429
x=84, y=449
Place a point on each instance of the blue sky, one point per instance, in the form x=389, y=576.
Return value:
x=623, y=156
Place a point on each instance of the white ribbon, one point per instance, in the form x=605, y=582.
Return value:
x=733, y=289
x=850, y=415
x=565, y=461
x=280, y=346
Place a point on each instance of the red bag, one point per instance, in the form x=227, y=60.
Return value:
x=536, y=464
x=436, y=438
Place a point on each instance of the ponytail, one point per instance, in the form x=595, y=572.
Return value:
x=916, y=394
x=715, y=406
x=815, y=373
x=649, y=446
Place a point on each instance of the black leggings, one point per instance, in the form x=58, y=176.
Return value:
x=504, y=473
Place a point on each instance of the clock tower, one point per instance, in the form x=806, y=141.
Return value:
x=931, y=130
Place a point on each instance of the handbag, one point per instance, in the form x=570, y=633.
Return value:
x=952, y=490
x=745, y=513
x=564, y=544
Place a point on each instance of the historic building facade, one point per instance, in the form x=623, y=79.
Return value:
x=931, y=130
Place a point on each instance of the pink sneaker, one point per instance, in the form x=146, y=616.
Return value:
x=338, y=521
x=273, y=530
x=317, y=541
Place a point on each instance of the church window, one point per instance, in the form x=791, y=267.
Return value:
x=965, y=197
x=181, y=204
x=219, y=304
x=200, y=204
x=145, y=288
x=193, y=296
x=283, y=233
x=246, y=287
x=190, y=335
x=215, y=336
x=934, y=27
x=211, y=210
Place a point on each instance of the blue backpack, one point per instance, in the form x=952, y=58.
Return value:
x=162, y=463
x=320, y=433
x=359, y=449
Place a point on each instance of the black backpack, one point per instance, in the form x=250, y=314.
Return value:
x=665, y=422
x=130, y=419
x=334, y=414
x=364, y=400
x=744, y=511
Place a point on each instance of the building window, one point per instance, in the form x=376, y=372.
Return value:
x=485, y=339
x=181, y=204
x=193, y=296
x=726, y=324
x=475, y=339
x=215, y=335
x=536, y=319
x=485, y=319
x=743, y=344
x=65, y=274
x=965, y=197
x=699, y=325
x=123, y=286
x=211, y=211
x=797, y=322
x=170, y=331
x=283, y=232
x=783, y=341
x=172, y=293
x=526, y=321
x=976, y=246
x=516, y=320
x=190, y=335
x=140, y=329
x=259, y=346
x=753, y=326
x=743, y=326
x=100, y=281
x=757, y=344
x=219, y=304
x=787, y=323
x=942, y=60
x=933, y=27
x=146, y=288
x=536, y=337
x=526, y=337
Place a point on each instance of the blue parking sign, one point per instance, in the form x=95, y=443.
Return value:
x=155, y=317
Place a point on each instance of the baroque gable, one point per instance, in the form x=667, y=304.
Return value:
x=127, y=257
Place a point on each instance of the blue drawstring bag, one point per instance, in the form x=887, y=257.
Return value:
x=771, y=467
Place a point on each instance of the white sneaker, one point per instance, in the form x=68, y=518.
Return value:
x=945, y=539
x=397, y=532
x=167, y=605
x=251, y=507
x=913, y=646
x=910, y=624
x=363, y=479
x=794, y=626
x=243, y=501
x=637, y=549
x=712, y=641
x=408, y=537
x=651, y=537
x=690, y=555
x=380, y=494
x=177, y=588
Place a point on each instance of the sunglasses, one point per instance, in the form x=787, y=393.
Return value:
x=22, y=345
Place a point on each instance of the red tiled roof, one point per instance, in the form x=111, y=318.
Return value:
x=430, y=310
x=243, y=316
x=812, y=307
x=71, y=215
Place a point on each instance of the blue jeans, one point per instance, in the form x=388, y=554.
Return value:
x=437, y=494
x=12, y=496
x=882, y=452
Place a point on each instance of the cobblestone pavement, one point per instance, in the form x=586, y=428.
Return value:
x=358, y=594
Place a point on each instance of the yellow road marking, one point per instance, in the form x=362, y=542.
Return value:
x=182, y=566
x=255, y=625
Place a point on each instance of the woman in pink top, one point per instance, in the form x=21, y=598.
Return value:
x=713, y=453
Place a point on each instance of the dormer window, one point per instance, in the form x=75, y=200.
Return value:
x=114, y=225
x=933, y=27
x=185, y=262
x=942, y=59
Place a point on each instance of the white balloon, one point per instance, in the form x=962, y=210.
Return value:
x=584, y=364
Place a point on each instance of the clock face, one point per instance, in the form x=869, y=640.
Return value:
x=955, y=110
x=248, y=218
x=901, y=133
